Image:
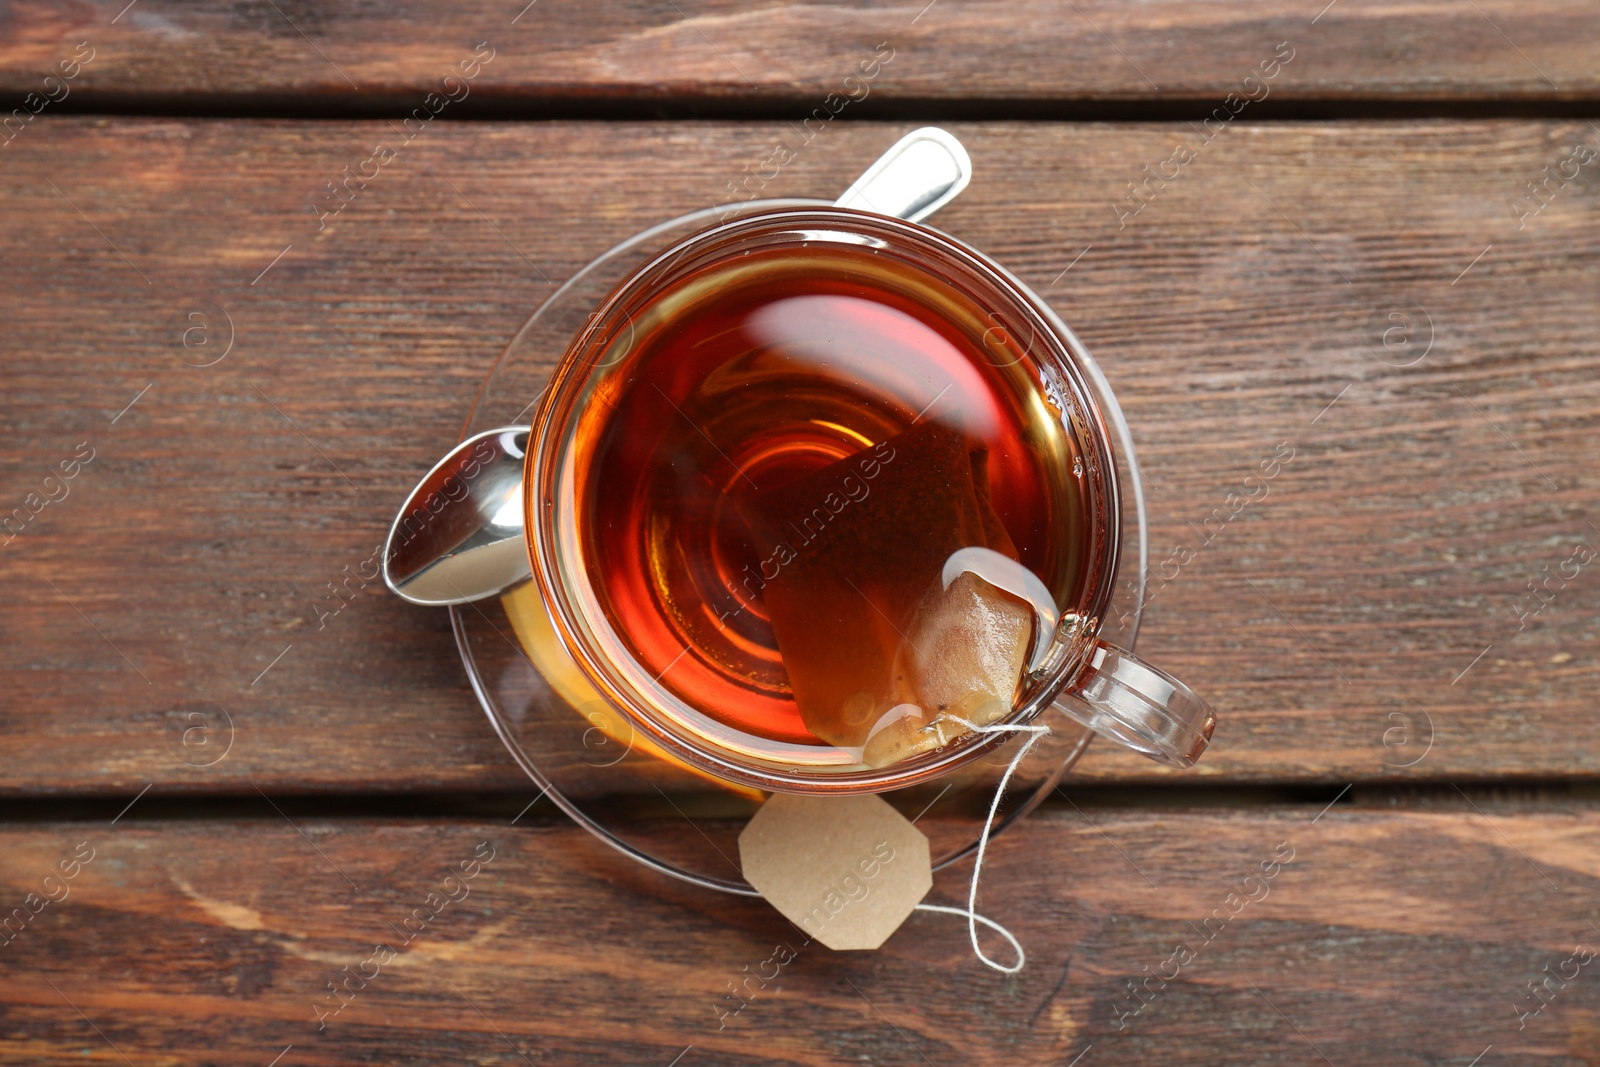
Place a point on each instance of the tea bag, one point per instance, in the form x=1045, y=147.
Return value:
x=882, y=656
x=963, y=656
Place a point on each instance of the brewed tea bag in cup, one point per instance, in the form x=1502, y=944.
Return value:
x=882, y=654
x=963, y=656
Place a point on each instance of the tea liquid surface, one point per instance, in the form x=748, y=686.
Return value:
x=785, y=450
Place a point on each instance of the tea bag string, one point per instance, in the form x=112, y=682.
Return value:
x=1035, y=732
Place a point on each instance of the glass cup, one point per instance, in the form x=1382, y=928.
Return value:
x=1069, y=667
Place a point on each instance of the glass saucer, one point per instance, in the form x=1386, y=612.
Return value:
x=586, y=757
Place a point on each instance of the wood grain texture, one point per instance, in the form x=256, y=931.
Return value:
x=570, y=52
x=1379, y=581
x=1394, y=937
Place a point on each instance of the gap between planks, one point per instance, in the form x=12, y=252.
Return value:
x=537, y=107
x=1507, y=796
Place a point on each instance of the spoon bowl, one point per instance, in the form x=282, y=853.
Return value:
x=459, y=536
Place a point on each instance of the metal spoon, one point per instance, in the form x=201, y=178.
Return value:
x=459, y=535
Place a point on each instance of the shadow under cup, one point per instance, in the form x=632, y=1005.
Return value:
x=644, y=337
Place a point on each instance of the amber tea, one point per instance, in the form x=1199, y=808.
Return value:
x=780, y=457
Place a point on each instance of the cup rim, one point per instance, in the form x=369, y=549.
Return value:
x=554, y=545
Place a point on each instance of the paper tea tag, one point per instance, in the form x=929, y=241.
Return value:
x=847, y=870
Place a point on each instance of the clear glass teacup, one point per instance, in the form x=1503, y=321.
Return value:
x=734, y=562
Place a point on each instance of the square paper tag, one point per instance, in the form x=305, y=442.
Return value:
x=847, y=870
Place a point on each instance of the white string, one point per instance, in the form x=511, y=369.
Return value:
x=1035, y=732
x=1016, y=946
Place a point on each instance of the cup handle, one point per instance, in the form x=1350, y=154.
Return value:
x=1125, y=699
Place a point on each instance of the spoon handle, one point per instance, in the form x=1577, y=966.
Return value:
x=920, y=174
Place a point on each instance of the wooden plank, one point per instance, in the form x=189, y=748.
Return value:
x=1380, y=580
x=212, y=942
x=567, y=53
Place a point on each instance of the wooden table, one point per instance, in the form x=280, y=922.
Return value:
x=1401, y=637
